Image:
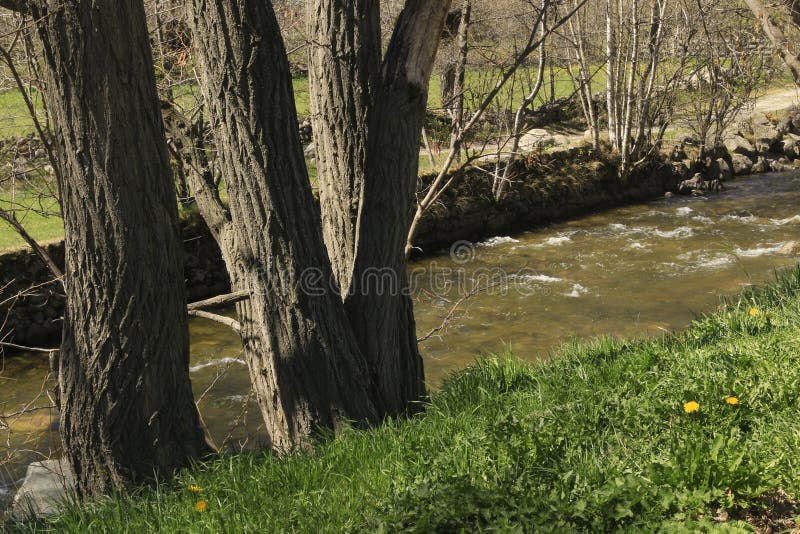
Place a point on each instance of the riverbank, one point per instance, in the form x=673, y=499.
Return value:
x=689, y=432
x=546, y=187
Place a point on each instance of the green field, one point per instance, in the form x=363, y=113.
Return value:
x=37, y=214
x=681, y=434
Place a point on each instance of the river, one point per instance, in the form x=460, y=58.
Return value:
x=635, y=271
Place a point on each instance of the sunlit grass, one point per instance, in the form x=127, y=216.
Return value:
x=609, y=435
x=37, y=212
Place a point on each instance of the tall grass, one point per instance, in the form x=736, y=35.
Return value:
x=596, y=439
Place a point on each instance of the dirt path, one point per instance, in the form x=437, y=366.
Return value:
x=778, y=99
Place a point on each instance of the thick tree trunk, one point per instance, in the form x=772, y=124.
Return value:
x=344, y=69
x=304, y=362
x=127, y=410
x=377, y=300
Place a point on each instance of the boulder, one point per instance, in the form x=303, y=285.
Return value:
x=766, y=140
x=561, y=140
x=536, y=139
x=761, y=165
x=776, y=165
x=678, y=153
x=785, y=125
x=741, y=164
x=736, y=144
x=790, y=146
x=718, y=169
x=698, y=184
x=47, y=485
x=765, y=134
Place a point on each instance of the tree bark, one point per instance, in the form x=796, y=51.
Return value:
x=776, y=36
x=377, y=300
x=304, y=361
x=344, y=72
x=127, y=409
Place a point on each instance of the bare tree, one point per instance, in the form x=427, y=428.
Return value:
x=728, y=66
x=504, y=74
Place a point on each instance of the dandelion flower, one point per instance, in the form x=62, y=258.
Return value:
x=691, y=407
x=754, y=312
x=201, y=506
x=195, y=489
x=733, y=401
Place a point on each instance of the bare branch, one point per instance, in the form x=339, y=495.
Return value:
x=26, y=349
x=227, y=321
x=37, y=248
x=220, y=300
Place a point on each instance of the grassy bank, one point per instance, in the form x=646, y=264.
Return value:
x=598, y=438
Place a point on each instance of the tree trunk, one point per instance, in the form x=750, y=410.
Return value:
x=127, y=409
x=776, y=36
x=457, y=111
x=344, y=72
x=304, y=362
x=377, y=301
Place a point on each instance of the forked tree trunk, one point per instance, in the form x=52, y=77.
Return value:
x=127, y=410
x=377, y=300
x=304, y=361
x=344, y=72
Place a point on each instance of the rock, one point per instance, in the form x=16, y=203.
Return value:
x=682, y=168
x=766, y=140
x=536, y=139
x=758, y=119
x=760, y=166
x=697, y=184
x=310, y=151
x=785, y=125
x=678, y=153
x=765, y=134
x=47, y=485
x=736, y=144
x=559, y=139
x=741, y=164
x=669, y=194
x=775, y=165
x=790, y=147
x=719, y=170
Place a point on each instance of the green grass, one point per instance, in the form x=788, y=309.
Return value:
x=596, y=439
x=37, y=214
x=15, y=119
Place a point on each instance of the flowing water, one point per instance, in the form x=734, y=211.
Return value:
x=634, y=271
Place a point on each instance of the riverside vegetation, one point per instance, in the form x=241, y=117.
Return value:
x=696, y=431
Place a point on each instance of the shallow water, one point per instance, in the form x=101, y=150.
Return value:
x=634, y=271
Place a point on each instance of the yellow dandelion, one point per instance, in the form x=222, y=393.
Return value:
x=195, y=489
x=754, y=312
x=691, y=407
x=733, y=401
x=200, y=506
